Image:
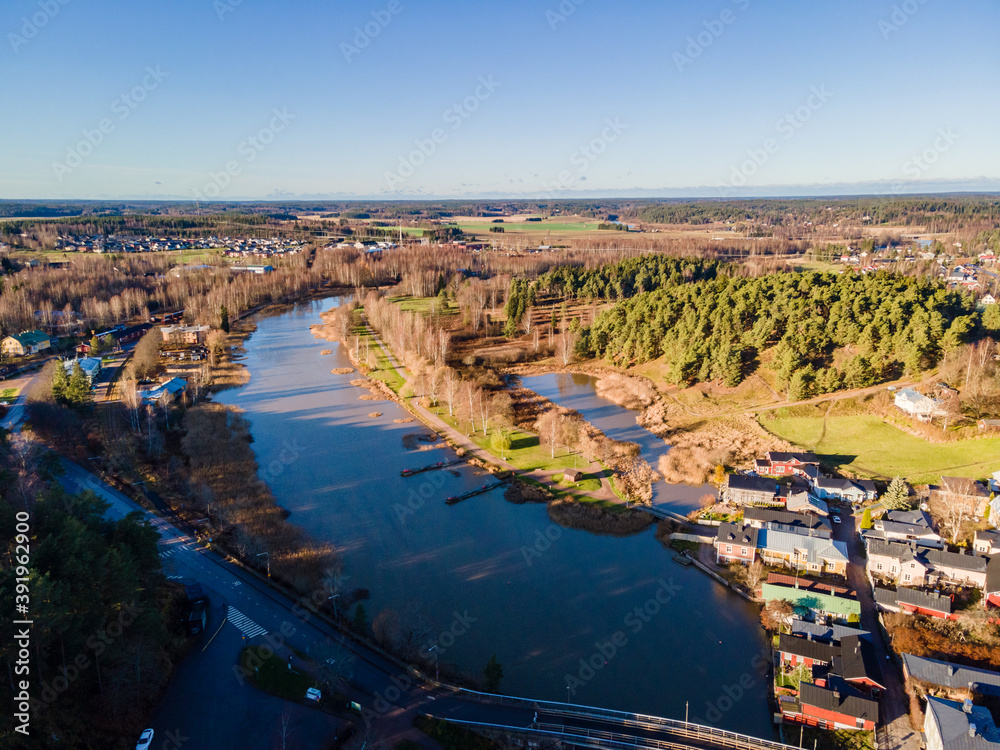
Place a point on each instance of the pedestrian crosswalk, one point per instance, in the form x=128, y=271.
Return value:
x=244, y=624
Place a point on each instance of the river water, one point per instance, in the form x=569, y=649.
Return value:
x=579, y=392
x=613, y=619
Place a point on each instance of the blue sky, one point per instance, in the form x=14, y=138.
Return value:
x=254, y=99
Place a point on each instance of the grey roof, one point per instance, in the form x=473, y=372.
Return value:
x=734, y=533
x=915, y=598
x=804, y=458
x=951, y=675
x=803, y=500
x=817, y=549
x=993, y=575
x=896, y=550
x=943, y=558
x=815, y=650
x=828, y=633
x=915, y=517
x=858, y=660
x=755, y=484
x=906, y=529
x=770, y=515
x=959, y=730
x=843, y=700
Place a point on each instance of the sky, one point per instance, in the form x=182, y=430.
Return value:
x=247, y=99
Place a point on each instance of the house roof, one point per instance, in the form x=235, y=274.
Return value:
x=806, y=648
x=815, y=600
x=840, y=698
x=912, y=517
x=837, y=483
x=858, y=660
x=963, y=486
x=958, y=729
x=915, y=598
x=950, y=675
x=815, y=548
x=826, y=633
x=805, y=501
x=770, y=515
x=940, y=558
x=907, y=529
x=802, y=458
x=752, y=483
x=30, y=338
x=811, y=584
x=909, y=394
x=989, y=535
x=993, y=575
x=734, y=533
x=895, y=550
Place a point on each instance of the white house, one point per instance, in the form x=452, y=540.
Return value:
x=916, y=404
x=91, y=367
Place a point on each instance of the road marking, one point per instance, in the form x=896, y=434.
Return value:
x=244, y=624
x=174, y=578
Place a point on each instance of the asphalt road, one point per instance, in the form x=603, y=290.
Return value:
x=208, y=706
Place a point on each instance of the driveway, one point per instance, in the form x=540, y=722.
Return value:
x=894, y=731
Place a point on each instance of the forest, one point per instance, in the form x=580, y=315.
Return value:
x=820, y=332
x=106, y=624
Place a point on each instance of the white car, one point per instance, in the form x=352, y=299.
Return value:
x=835, y=519
x=145, y=740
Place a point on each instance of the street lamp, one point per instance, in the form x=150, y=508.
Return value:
x=260, y=554
x=334, y=600
x=436, y=663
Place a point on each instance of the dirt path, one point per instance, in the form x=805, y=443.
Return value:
x=459, y=438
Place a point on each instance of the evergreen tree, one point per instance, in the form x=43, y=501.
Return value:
x=897, y=496
x=866, y=519
x=59, y=382
x=78, y=387
x=224, y=318
x=360, y=620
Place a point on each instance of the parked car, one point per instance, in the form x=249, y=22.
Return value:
x=835, y=519
x=145, y=740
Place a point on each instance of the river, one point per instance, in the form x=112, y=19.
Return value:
x=606, y=621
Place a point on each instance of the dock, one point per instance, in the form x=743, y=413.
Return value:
x=431, y=467
x=472, y=493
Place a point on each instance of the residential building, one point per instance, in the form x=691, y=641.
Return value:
x=995, y=510
x=825, y=633
x=807, y=652
x=988, y=424
x=164, y=393
x=785, y=464
x=793, y=523
x=961, y=493
x=916, y=404
x=91, y=367
x=987, y=542
x=899, y=563
x=991, y=591
x=23, y=344
x=836, y=706
x=804, y=502
x=907, y=526
x=743, y=489
x=818, y=603
x=956, y=567
x=798, y=552
x=854, y=491
x=950, y=725
x=951, y=679
x=259, y=270
x=735, y=543
x=184, y=334
x=914, y=602
x=857, y=662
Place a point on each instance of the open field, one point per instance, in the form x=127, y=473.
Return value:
x=423, y=305
x=869, y=447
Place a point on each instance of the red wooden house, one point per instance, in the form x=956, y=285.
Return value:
x=838, y=706
x=786, y=464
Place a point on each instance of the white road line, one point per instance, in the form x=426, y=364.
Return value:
x=244, y=624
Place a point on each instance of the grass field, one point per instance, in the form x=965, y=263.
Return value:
x=422, y=305
x=273, y=675
x=869, y=447
x=8, y=394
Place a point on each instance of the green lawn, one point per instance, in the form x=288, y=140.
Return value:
x=8, y=394
x=383, y=367
x=588, y=483
x=869, y=447
x=481, y=228
x=273, y=675
x=422, y=305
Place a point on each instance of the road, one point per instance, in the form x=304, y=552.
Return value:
x=208, y=704
x=894, y=731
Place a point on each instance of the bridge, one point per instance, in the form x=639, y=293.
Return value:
x=589, y=727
